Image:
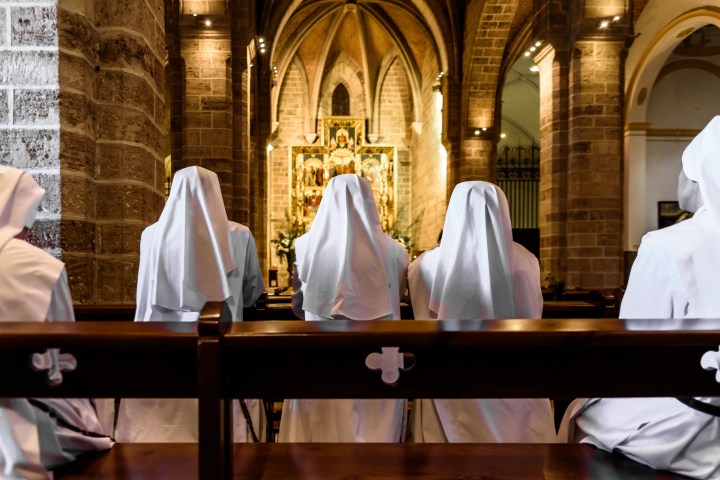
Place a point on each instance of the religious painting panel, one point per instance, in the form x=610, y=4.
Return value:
x=342, y=152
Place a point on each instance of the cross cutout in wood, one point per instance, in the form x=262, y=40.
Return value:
x=711, y=361
x=54, y=363
x=390, y=362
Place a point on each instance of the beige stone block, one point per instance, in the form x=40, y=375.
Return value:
x=78, y=236
x=110, y=201
x=77, y=153
x=215, y=137
x=109, y=280
x=76, y=73
x=115, y=86
x=77, y=34
x=134, y=203
x=81, y=276
x=77, y=196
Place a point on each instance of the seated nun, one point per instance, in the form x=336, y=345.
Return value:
x=37, y=434
x=478, y=272
x=676, y=275
x=219, y=263
x=346, y=268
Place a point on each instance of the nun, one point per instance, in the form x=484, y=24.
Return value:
x=192, y=255
x=676, y=275
x=37, y=435
x=346, y=268
x=478, y=272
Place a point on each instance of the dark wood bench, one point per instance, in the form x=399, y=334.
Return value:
x=122, y=359
x=294, y=359
x=460, y=359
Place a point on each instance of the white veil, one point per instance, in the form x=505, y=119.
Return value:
x=473, y=274
x=342, y=258
x=189, y=254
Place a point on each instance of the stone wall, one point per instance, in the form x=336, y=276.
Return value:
x=429, y=167
x=82, y=108
x=394, y=121
x=208, y=109
x=29, y=108
x=113, y=141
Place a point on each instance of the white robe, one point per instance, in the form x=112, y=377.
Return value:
x=347, y=297
x=478, y=272
x=37, y=434
x=191, y=255
x=659, y=432
x=676, y=275
x=176, y=420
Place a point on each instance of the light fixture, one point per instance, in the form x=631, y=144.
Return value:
x=502, y=135
x=269, y=147
x=208, y=22
x=194, y=14
x=534, y=68
x=483, y=133
x=604, y=24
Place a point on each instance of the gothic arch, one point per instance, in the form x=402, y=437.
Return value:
x=646, y=59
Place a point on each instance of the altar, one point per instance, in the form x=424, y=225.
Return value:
x=342, y=150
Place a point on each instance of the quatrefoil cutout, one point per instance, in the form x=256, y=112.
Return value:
x=390, y=362
x=54, y=363
x=711, y=361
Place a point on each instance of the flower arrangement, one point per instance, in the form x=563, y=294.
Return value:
x=285, y=241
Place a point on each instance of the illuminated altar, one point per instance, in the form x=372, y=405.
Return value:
x=342, y=150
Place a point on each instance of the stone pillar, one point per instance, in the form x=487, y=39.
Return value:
x=112, y=148
x=581, y=140
x=130, y=138
x=251, y=85
x=208, y=104
x=553, y=161
x=595, y=140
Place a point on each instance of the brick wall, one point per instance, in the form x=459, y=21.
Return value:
x=394, y=120
x=292, y=109
x=98, y=146
x=29, y=109
x=429, y=169
x=208, y=109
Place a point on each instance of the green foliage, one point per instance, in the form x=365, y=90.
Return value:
x=557, y=287
x=285, y=241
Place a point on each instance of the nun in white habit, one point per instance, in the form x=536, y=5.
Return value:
x=192, y=255
x=478, y=272
x=676, y=275
x=37, y=434
x=346, y=268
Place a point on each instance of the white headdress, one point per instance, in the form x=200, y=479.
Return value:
x=473, y=277
x=20, y=197
x=343, y=259
x=701, y=164
x=189, y=251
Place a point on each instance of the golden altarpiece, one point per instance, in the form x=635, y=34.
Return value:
x=342, y=150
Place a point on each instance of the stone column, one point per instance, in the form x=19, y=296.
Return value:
x=581, y=140
x=112, y=121
x=553, y=161
x=595, y=140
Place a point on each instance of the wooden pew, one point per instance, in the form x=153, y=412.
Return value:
x=460, y=359
x=121, y=359
x=294, y=359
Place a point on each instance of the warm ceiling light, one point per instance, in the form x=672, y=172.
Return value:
x=604, y=24
x=534, y=68
x=208, y=22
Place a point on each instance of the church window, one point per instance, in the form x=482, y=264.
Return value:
x=340, y=101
